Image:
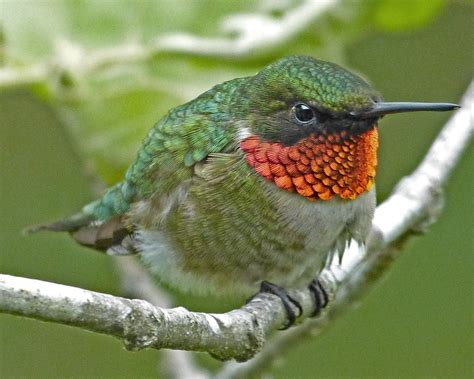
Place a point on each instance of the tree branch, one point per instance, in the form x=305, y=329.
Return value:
x=254, y=32
x=237, y=334
x=241, y=333
x=137, y=282
x=250, y=33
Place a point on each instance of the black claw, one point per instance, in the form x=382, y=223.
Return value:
x=325, y=295
x=285, y=299
x=320, y=296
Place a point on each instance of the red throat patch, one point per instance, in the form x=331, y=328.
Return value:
x=318, y=167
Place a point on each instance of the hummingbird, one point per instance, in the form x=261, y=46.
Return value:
x=257, y=183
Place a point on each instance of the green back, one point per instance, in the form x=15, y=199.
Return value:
x=187, y=135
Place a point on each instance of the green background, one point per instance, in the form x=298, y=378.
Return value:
x=417, y=323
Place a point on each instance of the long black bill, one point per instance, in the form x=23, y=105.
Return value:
x=381, y=109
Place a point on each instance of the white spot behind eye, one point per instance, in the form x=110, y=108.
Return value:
x=243, y=131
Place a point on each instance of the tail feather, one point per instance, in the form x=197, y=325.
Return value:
x=115, y=202
x=104, y=236
x=68, y=224
x=102, y=224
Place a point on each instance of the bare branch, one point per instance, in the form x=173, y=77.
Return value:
x=237, y=334
x=241, y=333
x=136, y=281
x=250, y=33
x=253, y=32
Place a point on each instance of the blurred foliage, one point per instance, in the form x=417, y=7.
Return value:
x=110, y=108
x=417, y=324
x=397, y=15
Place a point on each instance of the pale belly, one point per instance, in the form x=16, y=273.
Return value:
x=229, y=243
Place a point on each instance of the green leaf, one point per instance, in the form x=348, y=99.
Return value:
x=400, y=15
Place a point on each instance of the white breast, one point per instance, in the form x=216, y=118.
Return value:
x=330, y=228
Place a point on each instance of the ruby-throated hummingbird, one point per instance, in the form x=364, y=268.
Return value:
x=262, y=178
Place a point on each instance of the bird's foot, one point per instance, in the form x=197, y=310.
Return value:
x=320, y=294
x=286, y=299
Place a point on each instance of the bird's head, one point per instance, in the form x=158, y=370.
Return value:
x=310, y=126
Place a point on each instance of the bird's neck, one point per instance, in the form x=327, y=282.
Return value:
x=318, y=167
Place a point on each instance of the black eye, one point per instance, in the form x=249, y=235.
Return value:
x=303, y=113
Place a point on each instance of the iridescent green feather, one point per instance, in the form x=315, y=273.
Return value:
x=187, y=135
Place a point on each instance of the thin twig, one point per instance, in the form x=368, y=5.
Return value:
x=253, y=32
